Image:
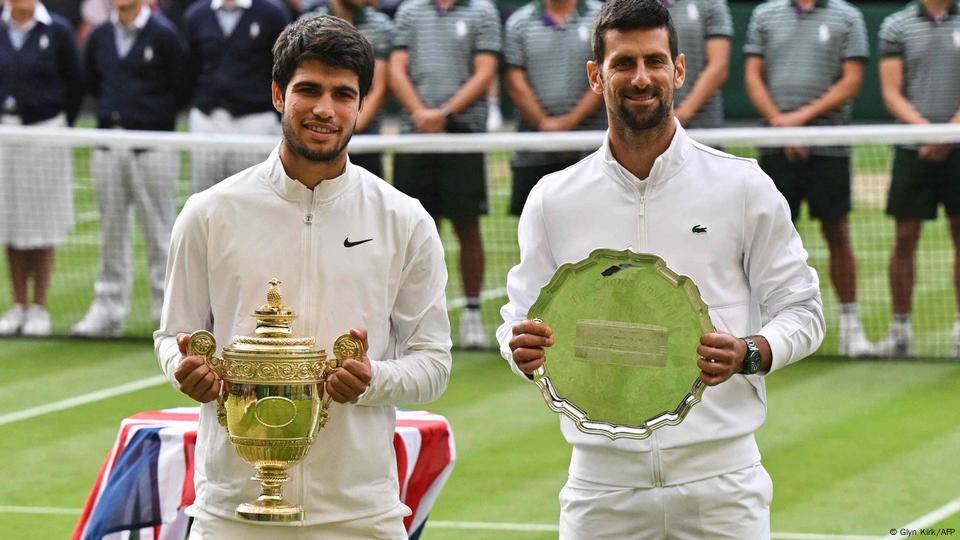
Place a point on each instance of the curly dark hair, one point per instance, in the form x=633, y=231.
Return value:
x=326, y=38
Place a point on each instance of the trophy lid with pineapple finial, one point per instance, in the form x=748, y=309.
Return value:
x=273, y=335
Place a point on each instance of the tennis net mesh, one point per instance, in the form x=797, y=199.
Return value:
x=142, y=166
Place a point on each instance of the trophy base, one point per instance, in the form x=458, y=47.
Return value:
x=270, y=510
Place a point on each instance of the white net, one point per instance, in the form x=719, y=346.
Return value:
x=140, y=179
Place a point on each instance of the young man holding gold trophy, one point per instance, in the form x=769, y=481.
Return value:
x=701, y=216
x=352, y=253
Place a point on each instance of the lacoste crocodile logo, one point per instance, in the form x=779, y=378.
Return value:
x=348, y=244
x=699, y=229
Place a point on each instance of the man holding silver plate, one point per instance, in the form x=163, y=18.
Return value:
x=352, y=253
x=651, y=325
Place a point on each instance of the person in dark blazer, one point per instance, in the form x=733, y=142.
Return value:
x=136, y=71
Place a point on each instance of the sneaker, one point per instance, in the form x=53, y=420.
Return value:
x=37, y=321
x=12, y=320
x=97, y=323
x=494, y=117
x=853, y=340
x=898, y=343
x=472, y=334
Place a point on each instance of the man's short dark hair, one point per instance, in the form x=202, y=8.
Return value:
x=626, y=15
x=325, y=38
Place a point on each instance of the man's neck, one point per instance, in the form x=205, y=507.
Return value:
x=21, y=17
x=805, y=5
x=559, y=9
x=126, y=15
x=343, y=10
x=637, y=151
x=307, y=172
x=937, y=8
x=445, y=4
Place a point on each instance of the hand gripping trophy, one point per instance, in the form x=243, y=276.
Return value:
x=272, y=402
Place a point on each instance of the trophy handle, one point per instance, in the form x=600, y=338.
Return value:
x=202, y=343
x=345, y=346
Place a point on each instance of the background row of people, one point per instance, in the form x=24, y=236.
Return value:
x=805, y=62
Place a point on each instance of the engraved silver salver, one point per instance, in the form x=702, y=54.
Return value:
x=626, y=330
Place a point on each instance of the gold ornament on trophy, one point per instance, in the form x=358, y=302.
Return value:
x=272, y=402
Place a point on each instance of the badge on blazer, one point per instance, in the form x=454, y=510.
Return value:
x=692, y=12
x=956, y=38
x=824, y=33
x=45, y=42
x=148, y=53
x=254, y=29
x=461, y=29
x=584, y=32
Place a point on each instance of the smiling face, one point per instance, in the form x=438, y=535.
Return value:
x=320, y=108
x=638, y=78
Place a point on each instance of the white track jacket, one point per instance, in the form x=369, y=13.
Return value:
x=234, y=237
x=749, y=265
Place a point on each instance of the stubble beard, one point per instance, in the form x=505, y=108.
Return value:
x=636, y=122
x=299, y=148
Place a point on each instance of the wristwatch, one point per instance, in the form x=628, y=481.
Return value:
x=751, y=362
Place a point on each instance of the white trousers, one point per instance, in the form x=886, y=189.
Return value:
x=387, y=526
x=733, y=506
x=207, y=167
x=128, y=180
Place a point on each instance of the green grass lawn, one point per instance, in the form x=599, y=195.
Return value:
x=854, y=447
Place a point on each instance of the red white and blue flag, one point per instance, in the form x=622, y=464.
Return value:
x=146, y=481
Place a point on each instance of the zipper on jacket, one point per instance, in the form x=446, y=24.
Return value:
x=641, y=187
x=655, y=458
x=305, y=307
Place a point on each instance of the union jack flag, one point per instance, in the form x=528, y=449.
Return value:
x=146, y=481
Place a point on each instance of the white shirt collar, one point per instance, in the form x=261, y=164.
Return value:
x=242, y=4
x=665, y=165
x=293, y=190
x=40, y=15
x=138, y=23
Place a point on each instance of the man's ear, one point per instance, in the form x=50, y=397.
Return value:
x=277, y=96
x=594, y=77
x=680, y=71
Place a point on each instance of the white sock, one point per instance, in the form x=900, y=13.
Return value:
x=901, y=321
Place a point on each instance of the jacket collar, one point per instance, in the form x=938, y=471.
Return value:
x=667, y=164
x=292, y=190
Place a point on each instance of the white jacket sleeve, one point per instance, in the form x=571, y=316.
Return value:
x=186, y=299
x=421, y=371
x=781, y=282
x=525, y=280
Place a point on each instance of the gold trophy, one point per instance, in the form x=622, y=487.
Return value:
x=272, y=402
